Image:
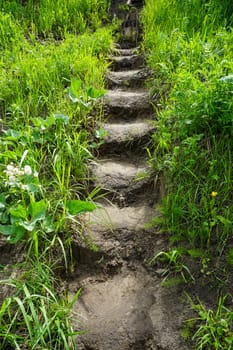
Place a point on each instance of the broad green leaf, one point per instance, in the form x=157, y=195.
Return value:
x=72, y=96
x=4, y=218
x=2, y=201
x=76, y=206
x=38, y=210
x=36, y=135
x=19, y=212
x=49, y=121
x=29, y=226
x=33, y=187
x=6, y=229
x=47, y=224
x=12, y=134
x=15, y=232
x=94, y=93
x=75, y=85
x=79, y=99
x=74, y=90
x=17, y=235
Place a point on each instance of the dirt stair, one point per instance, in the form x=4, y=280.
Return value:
x=122, y=305
x=134, y=79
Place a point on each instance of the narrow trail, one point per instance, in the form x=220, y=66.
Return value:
x=122, y=304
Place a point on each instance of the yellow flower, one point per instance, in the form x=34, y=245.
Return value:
x=214, y=194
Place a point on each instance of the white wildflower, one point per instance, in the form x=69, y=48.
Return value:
x=10, y=168
x=36, y=174
x=27, y=170
x=12, y=178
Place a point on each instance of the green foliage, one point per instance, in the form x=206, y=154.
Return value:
x=57, y=17
x=192, y=63
x=10, y=32
x=48, y=91
x=214, y=328
x=189, y=47
x=174, y=265
x=35, y=317
x=39, y=75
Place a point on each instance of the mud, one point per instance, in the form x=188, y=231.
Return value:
x=122, y=304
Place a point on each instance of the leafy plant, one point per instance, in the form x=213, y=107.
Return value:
x=35, y=316
x=175, y=265
x=214, y=328
x=20, y=211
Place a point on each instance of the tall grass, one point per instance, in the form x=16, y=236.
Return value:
x=194, y=65
x=189, y=47
x=35, y=316
x=57, y=17
x=48, y=90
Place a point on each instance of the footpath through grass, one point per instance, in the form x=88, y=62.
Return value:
x=188, y=45
x=52, y=67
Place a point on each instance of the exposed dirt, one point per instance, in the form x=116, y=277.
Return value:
x=122, y=304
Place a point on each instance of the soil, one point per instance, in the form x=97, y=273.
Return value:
x=122, y=304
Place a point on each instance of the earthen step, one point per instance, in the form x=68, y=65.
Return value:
x=127, y=79
x=123, y=178
x=114, y=232
x=115, y=313
x=126, y=62
x=125, y=52
x=111, y=218
x=126, y=133
x=127, y=104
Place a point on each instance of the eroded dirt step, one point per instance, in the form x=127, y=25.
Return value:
x=126, y=62
x=127, y=105
x=117, y=232
x=121, y=137
x=129, y=311
x=134, y=79
x=123, y=179
x=118, y=51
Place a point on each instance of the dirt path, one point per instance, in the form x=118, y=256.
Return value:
x=122, y=305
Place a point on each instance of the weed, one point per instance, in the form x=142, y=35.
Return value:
x=192, y=144
x=35, y=316
x=48, y=89
x=214, y=328
x=173, y=259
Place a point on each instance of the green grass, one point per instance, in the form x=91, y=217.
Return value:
x=55, y=18
x=214, y=327
x=54, y=56
x=193, y=144
x=188, y=45
x=35, y=316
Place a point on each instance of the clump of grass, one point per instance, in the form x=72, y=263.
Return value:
x=189, y=47
x=36, y=316
x=192, y=59
x=48, y=90
x=213, y=328
x=56, y=18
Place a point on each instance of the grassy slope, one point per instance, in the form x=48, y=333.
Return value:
x=47, y=90
x=189, y=47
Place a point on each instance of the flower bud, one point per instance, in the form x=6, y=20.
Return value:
x=27, y=170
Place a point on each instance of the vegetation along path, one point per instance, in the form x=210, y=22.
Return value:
x=122, y=305
x=116, y=201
